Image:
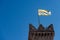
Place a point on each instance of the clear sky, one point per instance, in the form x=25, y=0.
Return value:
x=16, y=15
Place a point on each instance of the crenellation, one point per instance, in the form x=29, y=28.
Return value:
x=41, y=33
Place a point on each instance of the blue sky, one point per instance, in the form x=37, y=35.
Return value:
x=16, y=15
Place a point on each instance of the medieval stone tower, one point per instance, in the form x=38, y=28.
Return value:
x=41, y=33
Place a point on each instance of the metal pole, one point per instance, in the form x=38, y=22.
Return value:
x=38, y=20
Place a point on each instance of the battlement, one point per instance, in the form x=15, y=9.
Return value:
x=41, y=28
x=41, y=33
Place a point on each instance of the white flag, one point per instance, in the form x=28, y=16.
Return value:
x=43, y=12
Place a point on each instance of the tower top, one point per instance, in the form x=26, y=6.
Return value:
x=41, y=28
x=41, y=33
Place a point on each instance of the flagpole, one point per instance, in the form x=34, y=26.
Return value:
x=38, y=19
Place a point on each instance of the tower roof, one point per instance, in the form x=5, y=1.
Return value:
x=41, y=28
x=31, y=28
x=50, y=28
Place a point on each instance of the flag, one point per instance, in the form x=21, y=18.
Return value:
x=42, y=12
